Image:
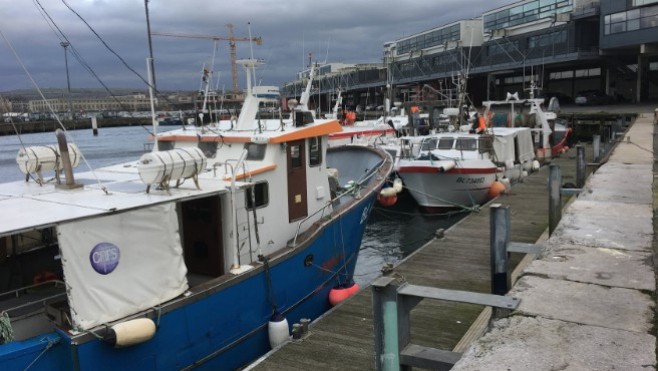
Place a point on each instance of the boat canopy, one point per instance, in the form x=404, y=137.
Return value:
x=120, y=264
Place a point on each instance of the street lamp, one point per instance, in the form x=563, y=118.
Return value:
x=65, y=45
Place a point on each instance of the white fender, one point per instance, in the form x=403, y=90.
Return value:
x=397, y=185
x=133, y=332
x=277, y=330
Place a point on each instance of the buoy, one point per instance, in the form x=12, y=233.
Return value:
x=277, y=330
x=129, y=333
x=387, y=201
x=496, y=189
x=342, y=292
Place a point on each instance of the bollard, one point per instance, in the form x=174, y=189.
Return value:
x=499, y=239
x=385, y=322
x=580, y=166
x=296, y=331
x=94, y=125
x=596, y=146
x=554, y=198
x=304, y=322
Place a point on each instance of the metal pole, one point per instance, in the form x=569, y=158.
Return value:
x=596, y=146
x=554, y=198
x=499, y=239
x=385, y=321
x=65, y=45
x=580, y=166
x=148, y=31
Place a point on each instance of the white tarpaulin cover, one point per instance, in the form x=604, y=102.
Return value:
x=121, y=264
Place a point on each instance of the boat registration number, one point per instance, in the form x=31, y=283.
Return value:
x=466, y=180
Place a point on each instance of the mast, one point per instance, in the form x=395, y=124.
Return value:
x=148, y=31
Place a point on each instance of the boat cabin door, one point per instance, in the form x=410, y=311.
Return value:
x=296, y=160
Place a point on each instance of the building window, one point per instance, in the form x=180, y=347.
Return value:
x=260, y=197
x=505, y=47
x=559, y=37
x=644, y=2
x=429, y=39
x=315, y=151
x=525, y=13
x=631, y=20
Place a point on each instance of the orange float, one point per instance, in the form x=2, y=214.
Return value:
x=496, y=189
x=342, y=292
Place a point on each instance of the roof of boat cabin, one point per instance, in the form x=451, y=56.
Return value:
x=316, y=129
x=27, y=205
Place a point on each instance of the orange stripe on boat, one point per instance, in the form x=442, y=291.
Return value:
x=347, y=134
x=317, y=130
x=253, y=172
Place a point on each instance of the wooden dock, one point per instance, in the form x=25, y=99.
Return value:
x=343, y=338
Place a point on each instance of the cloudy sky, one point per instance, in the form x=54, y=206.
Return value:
x=336, y=31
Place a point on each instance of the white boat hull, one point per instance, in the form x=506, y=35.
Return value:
x=461, y=186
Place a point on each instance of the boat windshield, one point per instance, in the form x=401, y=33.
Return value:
x=486, y=144
x=428, y=144
x=446, y=143
x=466, y=144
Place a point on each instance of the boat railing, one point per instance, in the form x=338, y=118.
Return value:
x=354, y=190
x=33, y=291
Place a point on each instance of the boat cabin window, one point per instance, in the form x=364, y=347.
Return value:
x=295, y=155
x=446, y=143
x=260, y=195
x=486, y=144
x=428, y=144
x=466, y=144
x=255, y=152
x=165, y=145
x=315, y=151
x=209, y=149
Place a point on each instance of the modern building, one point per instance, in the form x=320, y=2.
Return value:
x=565, y=46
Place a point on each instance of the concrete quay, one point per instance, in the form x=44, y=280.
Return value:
x=588, y=301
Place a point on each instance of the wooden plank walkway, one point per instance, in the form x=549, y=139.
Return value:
x=343, y=338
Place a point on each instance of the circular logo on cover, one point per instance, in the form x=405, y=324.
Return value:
x=104, y=257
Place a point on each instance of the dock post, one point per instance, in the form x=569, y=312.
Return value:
x=596, y=146
x=385, y=322
x=94, y=125
x=580, y=166
x=499, y=239
x=554, y=198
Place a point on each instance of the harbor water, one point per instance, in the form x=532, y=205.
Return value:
x=392, y=233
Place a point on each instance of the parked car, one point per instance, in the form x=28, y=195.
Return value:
x=593, y=97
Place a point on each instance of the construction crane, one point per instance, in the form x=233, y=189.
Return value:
x=231, y=42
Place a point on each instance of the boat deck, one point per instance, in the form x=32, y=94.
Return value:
x=343, y=338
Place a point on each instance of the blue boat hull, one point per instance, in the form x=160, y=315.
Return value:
x=224, y=329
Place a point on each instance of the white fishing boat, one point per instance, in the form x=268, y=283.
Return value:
x=202, y=253
x=461, y=170
x=550, y=136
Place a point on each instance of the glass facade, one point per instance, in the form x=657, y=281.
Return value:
x=631, y=20
x=507, y=47
x=526, y=12
x=429, y=39
x=644, y=2
x=552, y=38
